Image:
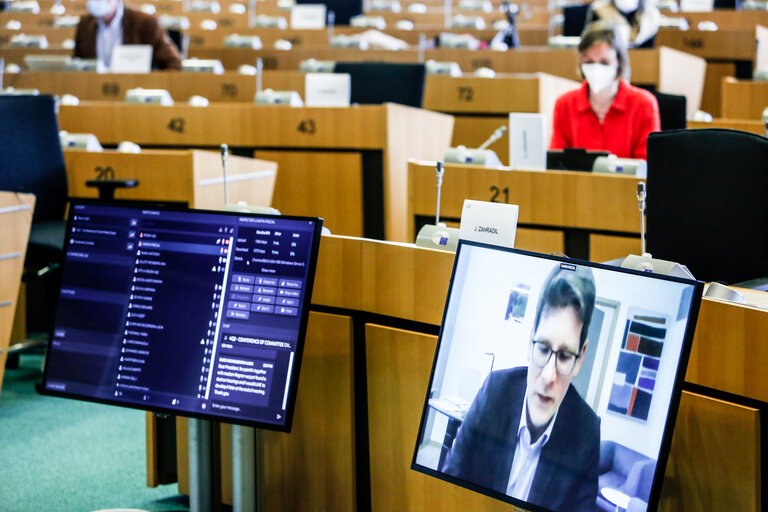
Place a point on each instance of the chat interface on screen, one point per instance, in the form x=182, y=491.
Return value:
x=181, y=310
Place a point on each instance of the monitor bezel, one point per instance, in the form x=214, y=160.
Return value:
x=675, y=397
x=301, y=338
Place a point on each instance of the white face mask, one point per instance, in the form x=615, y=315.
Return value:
x=627, y=5
x=599, y=76
x=99, y=8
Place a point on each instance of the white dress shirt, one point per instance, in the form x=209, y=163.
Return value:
x=526, y=456
x=107, y=37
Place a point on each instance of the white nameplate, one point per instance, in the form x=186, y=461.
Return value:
x=490, y=223
x=308, y=16
x=697, y=5
x=761, y=60
x=131, y=58
x=527, y=141
x=327, y=89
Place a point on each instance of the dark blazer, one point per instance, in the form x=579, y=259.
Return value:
x=138, y=28
x=566, y=476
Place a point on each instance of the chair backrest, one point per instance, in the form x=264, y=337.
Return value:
x=671, y=110
x=30, y=157
x=707, y=206
x=574, y=19
x=382, y=82
x=180, y=39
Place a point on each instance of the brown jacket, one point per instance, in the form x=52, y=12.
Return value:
x=138, y=28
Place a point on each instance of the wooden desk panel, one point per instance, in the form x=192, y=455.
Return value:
x=468, y=95
x=394, y=132
x=731, y=44
x=584, y=201
x=54, y=36
x=229, y=86
x=726, y=19
x=338, y=175
x=721, y=359
x=743, y=99
x=15, y=220
x=240, y=125
x=715, y=458
x=194, y=177
x=745, y=125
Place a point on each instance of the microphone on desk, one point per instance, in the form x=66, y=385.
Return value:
x=641, y=204
x=479, y=156
x=645, y=262
x=438, y=235
x=500, y=131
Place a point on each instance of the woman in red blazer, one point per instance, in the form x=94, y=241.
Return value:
x=606, y=112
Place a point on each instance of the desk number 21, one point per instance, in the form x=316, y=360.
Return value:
x=499, y=194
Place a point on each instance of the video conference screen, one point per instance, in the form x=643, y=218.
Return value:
x=556, y=382
x=188, y=312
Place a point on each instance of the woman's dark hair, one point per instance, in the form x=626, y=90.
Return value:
x=605, y=32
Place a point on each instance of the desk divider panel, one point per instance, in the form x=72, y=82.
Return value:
x=194, y=177
x=743, y=99
x=330, y=182
x=576, y=204
x=15, y=220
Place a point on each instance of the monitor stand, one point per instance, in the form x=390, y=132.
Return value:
x=204, y=483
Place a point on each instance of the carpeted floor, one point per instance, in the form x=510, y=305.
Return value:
x=62, y=455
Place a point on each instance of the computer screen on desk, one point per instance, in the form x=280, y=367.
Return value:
x=572, y=159
x=556, y=382
x=188, y=312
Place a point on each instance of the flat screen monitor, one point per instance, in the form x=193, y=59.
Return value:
x=343, y=9
x=556, y=382
x=573, y=159
x=187, y=312
x=374, y=83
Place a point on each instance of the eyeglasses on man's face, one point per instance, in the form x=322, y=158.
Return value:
x=565, y=360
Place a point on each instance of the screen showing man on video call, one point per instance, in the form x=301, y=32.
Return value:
x=528, y=433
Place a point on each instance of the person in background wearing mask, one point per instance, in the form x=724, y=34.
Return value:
x=606, y=113
x=110, y=23
x=637, y=20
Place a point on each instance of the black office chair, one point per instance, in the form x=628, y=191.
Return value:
x=574, y=19
x=706, y=205
x=382, y=82
x=671, y=110
x=180, y=39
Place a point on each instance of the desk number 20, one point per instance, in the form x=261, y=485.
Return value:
x=499, y=194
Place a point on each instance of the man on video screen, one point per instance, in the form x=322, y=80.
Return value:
x=528, y=433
